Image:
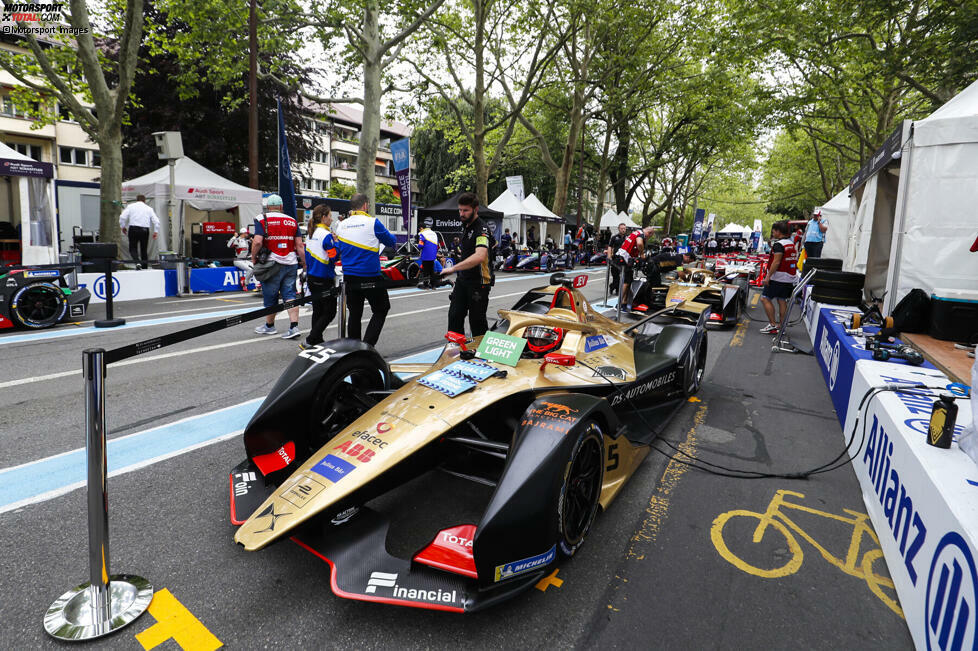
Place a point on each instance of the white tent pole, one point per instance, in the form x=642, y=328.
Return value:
x=899, y=226
x=171, y=204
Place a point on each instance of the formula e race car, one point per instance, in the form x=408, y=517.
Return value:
x=39, y=298
x=725, y=301
x=458, y=484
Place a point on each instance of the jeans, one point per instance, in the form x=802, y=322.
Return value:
x=814, y=249
x=472, y=300
x=323, y=310
x=380, y=305
x=283, y=282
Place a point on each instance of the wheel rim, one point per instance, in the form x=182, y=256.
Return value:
x=39, y=304
x=583, y=486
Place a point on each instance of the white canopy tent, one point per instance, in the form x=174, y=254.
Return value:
x=610, y=220
x=195, y=186
x=28, y=200
x=553, y=225
x=836, y=211
x=512, y=209
x=734, y=230
x=935, y=219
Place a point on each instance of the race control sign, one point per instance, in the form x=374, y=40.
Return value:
x=505, y=349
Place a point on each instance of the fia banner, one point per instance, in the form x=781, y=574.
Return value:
x=401, y=151
x=698, y=224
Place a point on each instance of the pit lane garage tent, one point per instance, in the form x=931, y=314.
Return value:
x=837, y=212
x=443, y=218
x=551, y=224
x=512, y=210
x=195, y=186
x=27, y=196
x=934, y=222
x=610, y=220
x=734, y=230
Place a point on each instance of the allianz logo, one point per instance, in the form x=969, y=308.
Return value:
x=830, y=356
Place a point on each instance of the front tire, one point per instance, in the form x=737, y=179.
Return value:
x=38, y=305
x=578, y=500
x=341, y=397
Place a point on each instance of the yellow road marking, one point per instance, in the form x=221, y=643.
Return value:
x=174, y=621
x=548, y=581
x=739, y=333
x=755, y=299
x=658, y=506
x=229, y=300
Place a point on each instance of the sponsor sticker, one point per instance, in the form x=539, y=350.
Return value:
x=515, y=568
x=594, y=343
x=498, y=347
x=299, y=493
x=50, y=273
x=333, y=468
x=610, y=371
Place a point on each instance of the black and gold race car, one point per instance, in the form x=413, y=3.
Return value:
x=725, y=297
x=456, y=484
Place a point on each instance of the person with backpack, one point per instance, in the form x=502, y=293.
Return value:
x=279, y=234
x=781, y=275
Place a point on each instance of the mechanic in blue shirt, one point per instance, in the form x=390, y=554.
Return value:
x=505, y=243
x=567, y=241
x=321, y=257
x=428, y=241
x=815, y=234
x=359, y=238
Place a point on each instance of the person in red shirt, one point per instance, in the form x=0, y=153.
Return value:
x=630, y=250
x=279, y=233
x=781, y=275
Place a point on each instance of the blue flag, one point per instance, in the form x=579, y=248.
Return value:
x=401, y=151
x=286, y=189
x=698, y=224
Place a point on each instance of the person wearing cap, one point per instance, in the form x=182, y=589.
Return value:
x=241, y=243
x=815, y=234
x=428, y=241
x=279, y=233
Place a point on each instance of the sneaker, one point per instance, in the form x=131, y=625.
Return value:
x=291, y=333
x=626, y=307
x=769, y=329
x=266, y=329
x=305, y=345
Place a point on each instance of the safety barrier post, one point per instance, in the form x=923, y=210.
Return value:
x=621, y=288
x=607, y=283
x=104, y=604
x=342, y=323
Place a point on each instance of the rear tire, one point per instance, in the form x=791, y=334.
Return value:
x=695, y=368
x=838, y=280
x=832, y=264
x=577, y=503
x=38, y=305
x=833, y=296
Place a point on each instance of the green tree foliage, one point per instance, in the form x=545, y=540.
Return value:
x=340, y=190
x=385, y=194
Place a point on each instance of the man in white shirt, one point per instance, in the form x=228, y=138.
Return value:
x=135, y=222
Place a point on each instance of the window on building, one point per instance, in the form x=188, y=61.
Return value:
x=33, y=151
x=321, y=185
x=344, y=162
x=73, y=156
x=394, y=224
x=96, y=159
x=322, y=156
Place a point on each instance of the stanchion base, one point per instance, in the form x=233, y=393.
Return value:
x=109, y=323
x=71, y=617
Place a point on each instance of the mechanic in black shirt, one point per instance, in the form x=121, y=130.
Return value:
x=613, y=245
x=475, y=270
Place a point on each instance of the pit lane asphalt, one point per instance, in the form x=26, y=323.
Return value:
x=649, y=576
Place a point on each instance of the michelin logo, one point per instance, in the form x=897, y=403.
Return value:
x=515, y=568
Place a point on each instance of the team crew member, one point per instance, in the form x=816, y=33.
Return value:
x=613, y=245
x=630, y=250
x=135, y=222
x=359, y=238
x=505, y=243
x=475, y=274
x=428, y=240
x=815, y=234
x=280, y=235
x=321, y=257
x=780, y=277
x=242, y=254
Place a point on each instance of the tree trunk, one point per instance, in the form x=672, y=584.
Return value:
x=479, y=106
x=619, y=167
x=602, y=178
x=370, y=129
x=563, y=175
x=110, y=185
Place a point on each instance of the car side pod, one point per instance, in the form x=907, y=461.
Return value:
x=527, y=494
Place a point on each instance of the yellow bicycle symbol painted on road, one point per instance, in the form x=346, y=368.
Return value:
x=775, y=518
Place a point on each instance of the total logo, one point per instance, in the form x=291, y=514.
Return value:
x=452, y=539
x=389, y=580
x=952, y=596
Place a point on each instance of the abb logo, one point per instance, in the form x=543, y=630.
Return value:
x=356, y=450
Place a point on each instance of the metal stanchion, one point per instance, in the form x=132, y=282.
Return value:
x=607, y=283
x=621, y=288
x=342, y=323
x=104, y=604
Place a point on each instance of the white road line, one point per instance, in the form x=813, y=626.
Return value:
x=202, y=349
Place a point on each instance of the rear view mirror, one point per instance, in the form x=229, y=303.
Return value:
x=457, y=338
x=558, y=359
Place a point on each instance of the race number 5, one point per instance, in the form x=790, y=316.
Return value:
x=317, y=354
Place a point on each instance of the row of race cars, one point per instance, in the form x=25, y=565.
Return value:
x=458, y=484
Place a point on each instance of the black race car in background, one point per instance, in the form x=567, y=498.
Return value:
x=457, y=484
x=39, y=298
